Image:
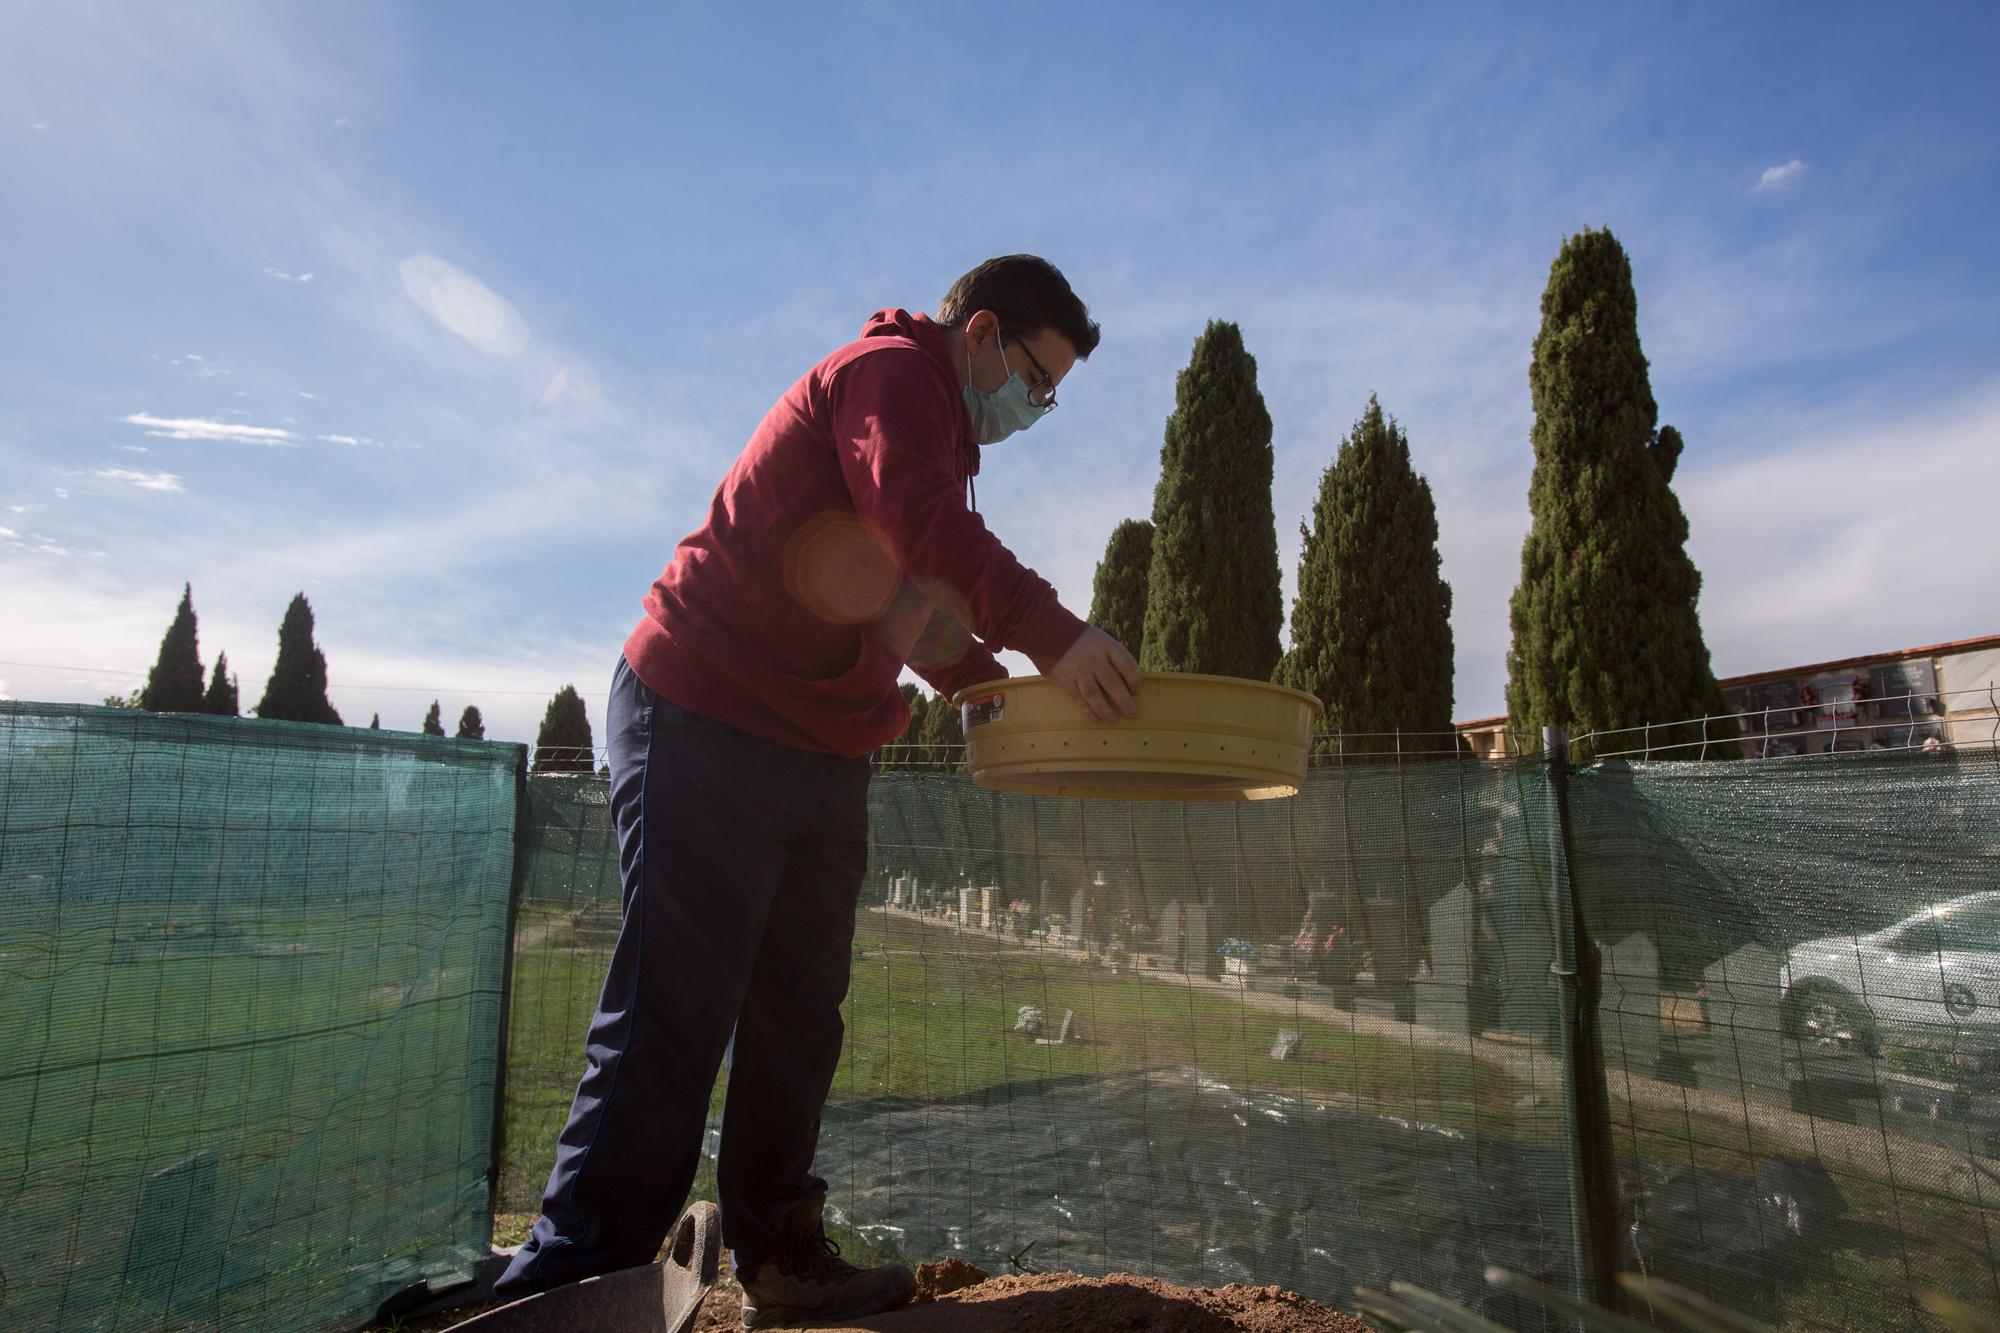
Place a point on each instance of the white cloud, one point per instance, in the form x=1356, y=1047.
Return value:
x=342, y=122
x=464, y=304
x=283, y=276
x=1875, y=558
x=8, y=534
x=145, y=481
x=199, y=428
x=38, y=125
x=198, y=363
x=304, y=394
x=134, y=448
x=1779, y=178
x=357, y=440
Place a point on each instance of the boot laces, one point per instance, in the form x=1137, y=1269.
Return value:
x=813, y=1256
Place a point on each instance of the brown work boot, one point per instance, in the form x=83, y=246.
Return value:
x=804, y=1280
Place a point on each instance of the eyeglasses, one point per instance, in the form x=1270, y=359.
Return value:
x=1042, y=393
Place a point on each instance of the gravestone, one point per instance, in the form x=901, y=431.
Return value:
x=1028, y=1021
x=1077, y=904
x=171, y=1254
x=1744, y=1049
x=1444, y=998
x=1629, y=1005
x=1286, y=1047
x=986, y=909
x=964, y=907
x=1393, y=953
x=1188, y=951
x=1066, y=1035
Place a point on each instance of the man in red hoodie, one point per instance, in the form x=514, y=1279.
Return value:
x=841, y=547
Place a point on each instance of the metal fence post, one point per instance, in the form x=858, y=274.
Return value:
x=517, y=884
x=1586, y=1100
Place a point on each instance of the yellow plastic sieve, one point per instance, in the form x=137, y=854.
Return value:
x=1197, y=738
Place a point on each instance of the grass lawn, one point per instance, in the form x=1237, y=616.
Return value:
x=929, y=1014
x=241, y=1119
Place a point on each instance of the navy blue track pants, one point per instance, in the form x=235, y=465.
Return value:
x=741, y=863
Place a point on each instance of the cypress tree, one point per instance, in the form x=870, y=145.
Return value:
x=222, y=698
x=434, y=720
x=296, y=691
x=1606, y=634
x=898, y=753
x=564, y=743
x=943, y=729
x=1213, y=600
x=1371, y=625
x=374, y=722
x=175, y=683
x=471, y=726
x=1118, y=589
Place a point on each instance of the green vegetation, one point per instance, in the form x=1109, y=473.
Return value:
x=434, y=720
x=564, y=743
x=175, y=683
x=1118, y=588
x=1606, y=634
x=471, y=726
x=1371, y=625
x=222, y=698
x=929, y=1014
x=943, y=728
x=1213, y=599
x=330, y=1086
x=296, y=691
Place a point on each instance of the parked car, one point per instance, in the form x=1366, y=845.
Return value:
x=1933, y=976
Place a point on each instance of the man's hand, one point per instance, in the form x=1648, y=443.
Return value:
x=1100, y=675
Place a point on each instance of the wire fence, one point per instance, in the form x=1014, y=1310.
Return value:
x=1729, y=1025
x=251, y=987
x=1851, y=723
x=1426, y=1017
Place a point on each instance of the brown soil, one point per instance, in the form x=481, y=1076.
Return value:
x=955, y=1297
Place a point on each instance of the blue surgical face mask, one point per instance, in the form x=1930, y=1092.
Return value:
x=1000, y=413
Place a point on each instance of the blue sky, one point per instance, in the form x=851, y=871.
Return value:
x=560, y=266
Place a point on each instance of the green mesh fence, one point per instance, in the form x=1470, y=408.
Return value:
x=1137, y=1118
x=1728, y=1024
x=1321, y=1042
x=251, y=980
x=565, y=924
x=1801, y=991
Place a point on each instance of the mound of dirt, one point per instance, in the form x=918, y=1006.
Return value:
x=945, y=1277
x=956, y=1297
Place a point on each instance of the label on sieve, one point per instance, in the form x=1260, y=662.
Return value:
x=986, y=708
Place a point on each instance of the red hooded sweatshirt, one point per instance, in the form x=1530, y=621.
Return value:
x=839, y=548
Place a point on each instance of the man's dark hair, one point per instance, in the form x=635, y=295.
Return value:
x=1028, y=294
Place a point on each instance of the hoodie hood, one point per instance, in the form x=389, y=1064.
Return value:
x=934, y=338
